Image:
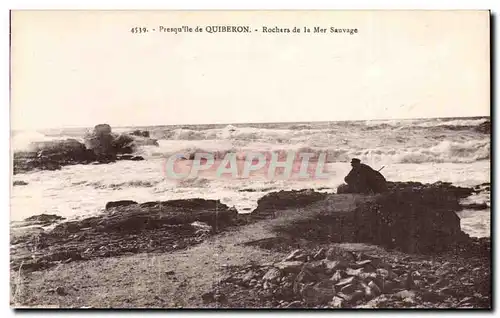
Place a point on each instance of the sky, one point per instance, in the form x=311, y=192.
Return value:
x=82, y=68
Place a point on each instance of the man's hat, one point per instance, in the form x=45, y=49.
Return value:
x=355, y=160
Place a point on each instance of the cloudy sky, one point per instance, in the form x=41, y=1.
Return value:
x=83, y=68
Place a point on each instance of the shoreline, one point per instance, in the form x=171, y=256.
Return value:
x=129, y=232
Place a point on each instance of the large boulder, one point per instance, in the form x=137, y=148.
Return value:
x=414, y=218
x=100, y=141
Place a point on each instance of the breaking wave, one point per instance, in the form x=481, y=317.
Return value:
x=444, y=151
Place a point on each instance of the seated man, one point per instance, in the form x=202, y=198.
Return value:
x=363, y=179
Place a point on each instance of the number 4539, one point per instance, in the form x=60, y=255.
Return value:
x=139, y=30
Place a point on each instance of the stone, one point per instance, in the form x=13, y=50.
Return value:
x=332, y=266
x=404, y=294
x=61, y=291
x=43, y=219
x=272, y=274
x=432, y=297
x=345, y=281
x=315, y=266
x=294, y=304
x=348, y=289
x=19, y=183
x=320, y=254
x=337, y=276
x=290, y=266
x=305, y=276
x=121, y=203
x=339, y=254
x=248, y=277
x=336, y=302
x=354, y=272
x=441, y=283
x=315, y=295
x=375, y=288
x=292, y=256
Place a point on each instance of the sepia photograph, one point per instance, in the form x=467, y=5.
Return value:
x=323, y=159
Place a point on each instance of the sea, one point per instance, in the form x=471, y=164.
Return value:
x=423, y=150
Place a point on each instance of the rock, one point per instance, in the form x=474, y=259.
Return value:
x=140, y=133
x=51, y=155
x=272, y=275
x=339, y=254
x=441, y=283
x=294, y=255
x=362, y=264
x=121, y=203
x=208, y=297
x=314, y=295
x=101, y=142
x=316, y=266
x=61, y=291
x=305, y=276
x=294, y=304
x=248, y=277
x=290, y=266
x=148, y=216
x=271, y=202
x=474, y=206
x=409, y=284
x=352, y=298
x=432, y=297
x=19, y=183
x=137, y=158
x=413, y=217
x=404, y=294
x=345, y=281
x=331, y=266
x=336, y=302
x=320, y=254
x=336, y=277
x=348, y=289
x=354, y=272
x=375, y=288
x=43, y=219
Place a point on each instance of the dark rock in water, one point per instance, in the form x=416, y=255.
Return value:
x=484, y=128
x=52, y=155
x=44, y=219
x=121, y=203
x=125, y=157
x=130, y=157
x=100, y=141
x=19, y=183
x=140, y=133
x=280, y=200
x=474, y=206
x=123, y=144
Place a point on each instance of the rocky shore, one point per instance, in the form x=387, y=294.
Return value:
x=100, y=145
x=400, y=249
